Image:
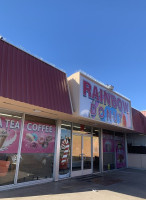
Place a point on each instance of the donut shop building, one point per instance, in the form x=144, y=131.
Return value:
x=53, y=127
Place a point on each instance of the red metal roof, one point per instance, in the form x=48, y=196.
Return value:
x=144, y=112
x=27, y=79
x=139, y=121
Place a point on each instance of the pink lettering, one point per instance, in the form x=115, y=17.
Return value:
x=107, y=98
x=101, y=112
x=95, y=93
x=119, y=104
x=120, y=117
x=86, y=89
x=125, y=106
x=114, y=102
x=93, y=109
x=115, y=116
x=108, y=115
x=101, y=96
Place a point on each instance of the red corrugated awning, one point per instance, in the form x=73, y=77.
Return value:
x=27, y=79
x=144, y=113
x=139, y=121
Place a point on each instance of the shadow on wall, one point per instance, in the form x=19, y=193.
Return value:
x=74, y=92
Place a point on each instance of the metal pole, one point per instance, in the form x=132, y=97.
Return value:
x=92, y=149
x=19, y=149
x=126, y=151
x=115, y=153
x=101, y=150
x=71, y=148
x=57, y=151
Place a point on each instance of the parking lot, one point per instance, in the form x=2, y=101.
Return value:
x=120, y=184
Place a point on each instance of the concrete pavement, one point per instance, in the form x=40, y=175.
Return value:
x=125, y=184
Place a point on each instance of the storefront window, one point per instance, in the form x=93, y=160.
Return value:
x=77, y=153
x=86, y=152
x=65, y=146
x=37, y=152
x=136, y=143
x=108, y=150
x=95, y=150
x=10, y=126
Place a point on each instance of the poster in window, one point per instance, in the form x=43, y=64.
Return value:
x=38, y=138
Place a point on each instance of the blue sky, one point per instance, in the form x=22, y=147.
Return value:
x=104, y=38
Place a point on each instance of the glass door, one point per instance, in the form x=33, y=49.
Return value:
x=81, y=155
x=77, y=155
x=86, y=155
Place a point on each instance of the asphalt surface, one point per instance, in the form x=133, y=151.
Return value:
x=125, y=184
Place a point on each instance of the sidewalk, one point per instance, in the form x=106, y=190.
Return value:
x=117, y=185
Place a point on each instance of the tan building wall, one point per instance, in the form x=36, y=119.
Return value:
x=137, y=161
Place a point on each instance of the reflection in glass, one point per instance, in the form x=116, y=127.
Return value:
x=10, y=124
x=86, y=152
x=65, y=145
x=37, y=152
x=35, y=166
x=76, y=153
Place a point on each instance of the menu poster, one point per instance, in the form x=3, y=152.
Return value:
x=108, y=143
x=38, y=138
x=120, y=154
x=9, y=134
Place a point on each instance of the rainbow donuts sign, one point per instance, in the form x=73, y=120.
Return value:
x=101, y=104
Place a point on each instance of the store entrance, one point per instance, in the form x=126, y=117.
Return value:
x=81, y=154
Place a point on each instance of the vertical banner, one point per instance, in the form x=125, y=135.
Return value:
x=120, y=153
x=38, y=138
x=65, y=145
x=64, y=153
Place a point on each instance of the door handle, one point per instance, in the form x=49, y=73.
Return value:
x=80, y=156
x=84, y=156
